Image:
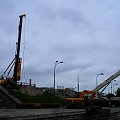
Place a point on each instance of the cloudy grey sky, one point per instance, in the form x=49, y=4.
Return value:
x=84, y=34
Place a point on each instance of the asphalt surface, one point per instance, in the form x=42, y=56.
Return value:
x=9, y=114
x=29, y=112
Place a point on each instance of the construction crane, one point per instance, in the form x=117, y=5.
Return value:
x=106, y=82
x=95, y=93
x=16, y=62
x=17, y=67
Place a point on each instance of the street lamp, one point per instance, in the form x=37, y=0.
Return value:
x=112, y=86
x=56, y=63
x=97, y=77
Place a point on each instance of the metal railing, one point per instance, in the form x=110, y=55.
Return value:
x=9, y=95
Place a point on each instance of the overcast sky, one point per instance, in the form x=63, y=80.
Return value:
x=84, y=34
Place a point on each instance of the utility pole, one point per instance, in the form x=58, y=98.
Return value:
x=78, y=82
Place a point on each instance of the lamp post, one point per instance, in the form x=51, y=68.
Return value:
x=97, y=77
x=78, y=83
x=56, y=63
x=113, y=87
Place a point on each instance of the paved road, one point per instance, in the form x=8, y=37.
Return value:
x=29, y=112
x=114, y=109
x=21, y=113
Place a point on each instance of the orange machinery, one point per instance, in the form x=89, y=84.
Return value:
x=85, y=95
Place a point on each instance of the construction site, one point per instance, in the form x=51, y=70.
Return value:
x=25, y=101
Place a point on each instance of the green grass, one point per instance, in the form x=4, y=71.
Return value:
x=45, y=98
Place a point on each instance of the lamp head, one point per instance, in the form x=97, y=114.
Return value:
x=101, y=74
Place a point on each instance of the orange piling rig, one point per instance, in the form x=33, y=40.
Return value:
x=16, y=62
x=17, y=67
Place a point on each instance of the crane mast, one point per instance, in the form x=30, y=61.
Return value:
x=17, y=67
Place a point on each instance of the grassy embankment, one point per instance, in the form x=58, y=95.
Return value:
x=45, y=98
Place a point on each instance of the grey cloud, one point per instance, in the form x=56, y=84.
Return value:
x=46, y=12
x=83, y=34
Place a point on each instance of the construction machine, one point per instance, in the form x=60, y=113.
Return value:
x=94, y=96
x=16, y=62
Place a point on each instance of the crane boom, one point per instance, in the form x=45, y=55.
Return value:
x=107, y=81
x=94, y=96
x=17, y=59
